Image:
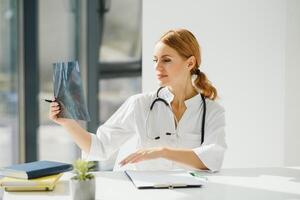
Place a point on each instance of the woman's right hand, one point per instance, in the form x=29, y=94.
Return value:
x=54, y=111
x=80, y=136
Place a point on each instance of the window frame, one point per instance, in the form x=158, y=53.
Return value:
x=98, y=70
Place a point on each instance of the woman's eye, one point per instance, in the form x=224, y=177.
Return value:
x=165, y=60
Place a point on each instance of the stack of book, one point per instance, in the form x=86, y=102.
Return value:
x=33, y=176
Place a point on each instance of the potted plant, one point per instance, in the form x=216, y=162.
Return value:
x=83, y=183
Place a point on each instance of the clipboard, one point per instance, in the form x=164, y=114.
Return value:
x=163, y=179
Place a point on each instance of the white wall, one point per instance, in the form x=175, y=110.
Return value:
x=292, y=128
x=243, y=52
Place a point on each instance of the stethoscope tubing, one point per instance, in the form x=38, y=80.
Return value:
x=158, y=99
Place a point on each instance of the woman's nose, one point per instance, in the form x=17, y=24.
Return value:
x=157, y=66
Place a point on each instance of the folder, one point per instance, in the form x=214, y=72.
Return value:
x=163, y=179
x=35, y=169
x=46, y=183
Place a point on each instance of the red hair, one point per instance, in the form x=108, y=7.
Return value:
x=186, y=45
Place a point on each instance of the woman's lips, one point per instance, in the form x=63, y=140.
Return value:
x=161, y=76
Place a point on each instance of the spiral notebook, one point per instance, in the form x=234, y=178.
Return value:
x=163, y=179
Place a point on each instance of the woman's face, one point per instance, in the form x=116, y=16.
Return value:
x=171, y=69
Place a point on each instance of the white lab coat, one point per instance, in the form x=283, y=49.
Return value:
x=130, y=119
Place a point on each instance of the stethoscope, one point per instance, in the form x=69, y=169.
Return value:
x=158, y=99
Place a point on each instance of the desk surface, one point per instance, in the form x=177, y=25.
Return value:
x=254, y=183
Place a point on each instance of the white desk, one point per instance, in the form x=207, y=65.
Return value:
x=254, y=183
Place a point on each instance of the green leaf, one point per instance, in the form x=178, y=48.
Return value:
x=82, y=169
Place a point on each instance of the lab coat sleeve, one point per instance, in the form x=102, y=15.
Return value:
x=211, y=152
x=114, y=132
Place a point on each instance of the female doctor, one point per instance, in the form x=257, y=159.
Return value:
x=179, y=125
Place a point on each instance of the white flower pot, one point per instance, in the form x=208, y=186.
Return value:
x=83, y=190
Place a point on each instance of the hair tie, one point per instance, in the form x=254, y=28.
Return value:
x=197, y=71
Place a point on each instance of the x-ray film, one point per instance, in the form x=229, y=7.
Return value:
x=68, y=91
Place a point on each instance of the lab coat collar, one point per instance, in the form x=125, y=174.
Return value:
x=190, y=103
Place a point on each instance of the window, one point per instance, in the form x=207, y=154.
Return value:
x=114, y=92
x=121, y=39
x=119, y=59
x=120, y=55
x=57, y=42
x=8, y=83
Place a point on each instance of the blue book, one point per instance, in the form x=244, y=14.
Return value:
x=35, y=169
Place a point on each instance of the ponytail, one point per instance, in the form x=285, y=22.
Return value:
x=204, y=85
